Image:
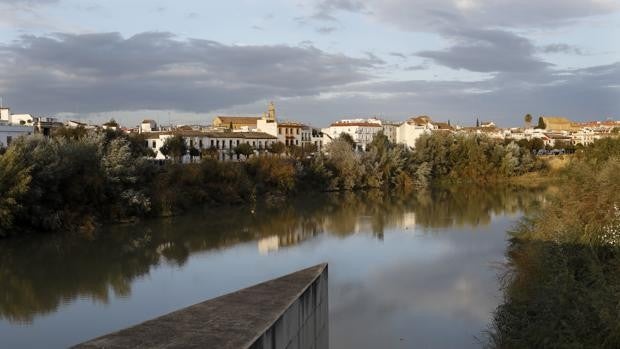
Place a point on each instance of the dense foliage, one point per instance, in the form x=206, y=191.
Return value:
x=79, y=178
x=562, y=285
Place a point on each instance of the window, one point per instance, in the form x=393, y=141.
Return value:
x=212, y=144
x=9, y=139
x=296, y=142
x=253, y=143
x=154, y=144
x=297, y=131
x=280, y=130
x=200, y=142
x=237, y=142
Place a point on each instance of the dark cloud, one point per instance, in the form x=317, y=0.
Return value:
x=581, y=94
x=562, y=48
x=487, y=50
x=106, y=72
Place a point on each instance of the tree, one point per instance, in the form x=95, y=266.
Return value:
x=210, y=152
x=477, y=122
x=537, y=144
x=528, y=120
x=347, y=138
x=70, y=132
x=541, y=123
x=244, y=149
x=14, y=185
x=277, y=148
x=175, y=147
x=193, y=152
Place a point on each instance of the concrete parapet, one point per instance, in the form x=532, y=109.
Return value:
x=284, y=313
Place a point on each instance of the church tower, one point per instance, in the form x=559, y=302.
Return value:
x=271, y=113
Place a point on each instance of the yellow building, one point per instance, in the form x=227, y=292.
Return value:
x=250, y=122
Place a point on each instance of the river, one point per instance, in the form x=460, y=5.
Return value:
x=420, y=270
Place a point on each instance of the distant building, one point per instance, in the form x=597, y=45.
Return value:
x=222, y=144
x=390, y=130
x=236, y=122
x=148, y=125
x=555, y=123
x=411, y=130
x=9, y=133
x=362, y=131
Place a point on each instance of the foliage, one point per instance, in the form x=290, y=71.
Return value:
x=347, y=138
x=277, y=148
x=562, y=283
x=74, y=181
x=244, y=149
x=175, y=147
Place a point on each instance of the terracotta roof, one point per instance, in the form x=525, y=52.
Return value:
x=290, y=124
x=238, y=119
x=419, y=120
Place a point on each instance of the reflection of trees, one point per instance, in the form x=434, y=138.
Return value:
x=37, y=275
x=560, y=296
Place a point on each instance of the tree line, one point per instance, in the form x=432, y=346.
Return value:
x=79, y=179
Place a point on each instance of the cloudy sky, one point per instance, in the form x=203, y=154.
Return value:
x=187, y=60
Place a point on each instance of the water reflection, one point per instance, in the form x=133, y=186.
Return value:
x=40, y=275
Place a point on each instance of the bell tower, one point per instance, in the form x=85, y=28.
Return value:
x=271, y=113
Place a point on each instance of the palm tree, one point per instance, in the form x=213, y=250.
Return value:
x=528, y=120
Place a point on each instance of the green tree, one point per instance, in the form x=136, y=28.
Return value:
x=14, y=185
x=277, y=148
x=174, y=147
x=211, y=152
x=541, y=124
x=347, y=138
x=244, y=149
x=193, y=153
x=528, y=120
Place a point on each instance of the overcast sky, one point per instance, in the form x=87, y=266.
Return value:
x=186, y=61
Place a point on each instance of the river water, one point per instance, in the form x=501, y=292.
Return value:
x=419, y=270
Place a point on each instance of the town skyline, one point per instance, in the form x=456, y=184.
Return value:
x=318, y=60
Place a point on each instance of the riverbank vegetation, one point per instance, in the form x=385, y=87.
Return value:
x=80, y=178
x=562, y=285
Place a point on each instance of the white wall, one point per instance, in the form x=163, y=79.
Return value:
x=13, y=132
x=408, y=134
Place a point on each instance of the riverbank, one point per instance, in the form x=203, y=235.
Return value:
x=79, y=182
x=561, y=282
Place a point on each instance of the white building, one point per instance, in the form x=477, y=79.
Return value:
x=390, y=130
x=148, y=125
x=411, y=130
x=9, y=133
x=362, y=131
x=222, y=144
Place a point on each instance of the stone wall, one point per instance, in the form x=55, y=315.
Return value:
x=304, y=325
x=284, y=313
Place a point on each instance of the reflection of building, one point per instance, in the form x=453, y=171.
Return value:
x=268, y=244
